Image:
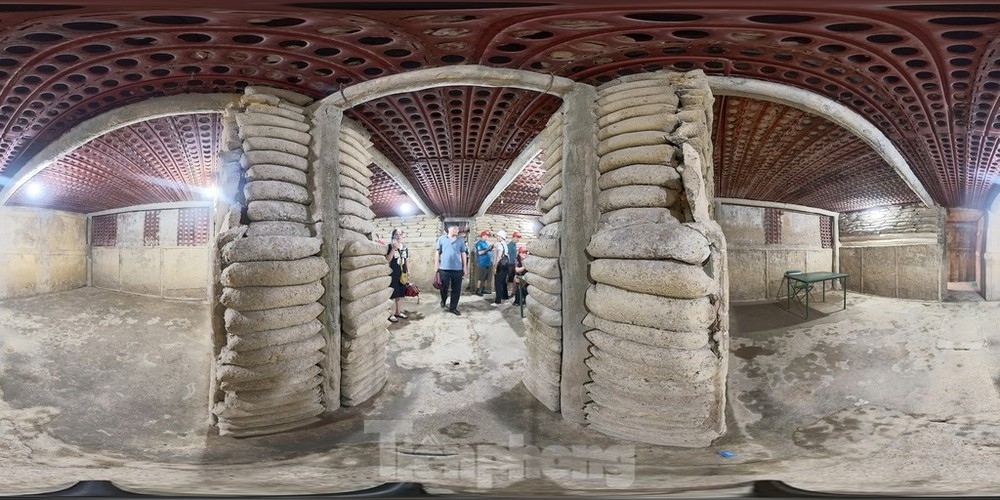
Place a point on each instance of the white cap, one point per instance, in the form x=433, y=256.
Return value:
x=502, y=234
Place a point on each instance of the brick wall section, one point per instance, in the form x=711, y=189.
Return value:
x=895, y=219
x=772, y=226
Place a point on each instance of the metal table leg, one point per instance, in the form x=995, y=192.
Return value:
x=807, y=302
x=844, y=284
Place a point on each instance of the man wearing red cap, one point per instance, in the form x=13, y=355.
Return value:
x=484, y=260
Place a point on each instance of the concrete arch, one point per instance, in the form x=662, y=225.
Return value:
x=109, y=122
x=478, y=76
x=826, y=108
x=570, y=253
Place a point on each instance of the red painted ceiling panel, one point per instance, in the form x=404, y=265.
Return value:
x=925, y=74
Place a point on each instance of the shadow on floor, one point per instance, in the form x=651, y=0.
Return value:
x=769, y=316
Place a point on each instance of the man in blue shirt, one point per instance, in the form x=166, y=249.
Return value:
x=451, y=260
x=484, y=262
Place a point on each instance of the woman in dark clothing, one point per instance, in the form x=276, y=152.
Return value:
x=397, y=256
x=520, y=287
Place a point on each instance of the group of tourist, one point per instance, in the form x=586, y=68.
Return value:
x=502, y=258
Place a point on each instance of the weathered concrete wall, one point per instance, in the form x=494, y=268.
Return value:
x=758, y=258
x=162, y=253
x=659, y=308
x=41, y=251
x=268, y=372
x=896, y=251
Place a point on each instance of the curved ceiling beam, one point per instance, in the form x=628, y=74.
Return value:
x=113, y=120
x=831, y=110
x=476, y=76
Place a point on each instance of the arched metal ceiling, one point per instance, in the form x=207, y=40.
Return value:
x=926, y=75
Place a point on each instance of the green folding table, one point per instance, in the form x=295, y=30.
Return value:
x=808, y=279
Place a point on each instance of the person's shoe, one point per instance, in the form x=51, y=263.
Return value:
x=487, y=292
x=495, y=304
x=515, y=303
x=393, y=319
x=479, y=292
x=401, y=315
x=442, y=305
x=456, y=312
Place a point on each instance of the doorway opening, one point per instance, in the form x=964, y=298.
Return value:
x=964, y=236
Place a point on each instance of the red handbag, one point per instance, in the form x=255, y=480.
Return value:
x=437, y=280
x=412, y=290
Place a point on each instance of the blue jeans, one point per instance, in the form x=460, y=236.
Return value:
x=451, y=280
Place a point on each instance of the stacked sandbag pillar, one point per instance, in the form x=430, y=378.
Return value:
x=658, y=307
x=269, y=369
x=543, y=338
x=364, y=278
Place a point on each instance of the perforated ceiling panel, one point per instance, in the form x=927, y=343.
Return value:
x=521, y=196
x=388, y=198
x=766, y=151
x=926, y=74
x=455, y=143
x=157, y=161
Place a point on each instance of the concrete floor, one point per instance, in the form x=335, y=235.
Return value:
x=888, y=396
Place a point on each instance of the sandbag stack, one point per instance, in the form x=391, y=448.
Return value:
x=657, y=308
x=269, y=367
x=543, y=341
x=364, y=278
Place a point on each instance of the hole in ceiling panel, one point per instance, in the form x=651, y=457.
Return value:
x=781, y=19
x=961, y=35
x=194, y=37
x=175, y=20
x=280, y=22
x=965, y=21
x=405, y=6
x=849, y=27
x=89, y=26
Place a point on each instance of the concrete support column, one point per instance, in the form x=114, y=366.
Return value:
x=325, y=158
x=580, y=217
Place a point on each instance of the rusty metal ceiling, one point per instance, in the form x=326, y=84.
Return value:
x=926, y=74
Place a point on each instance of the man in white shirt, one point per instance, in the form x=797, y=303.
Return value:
x=501, y=262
